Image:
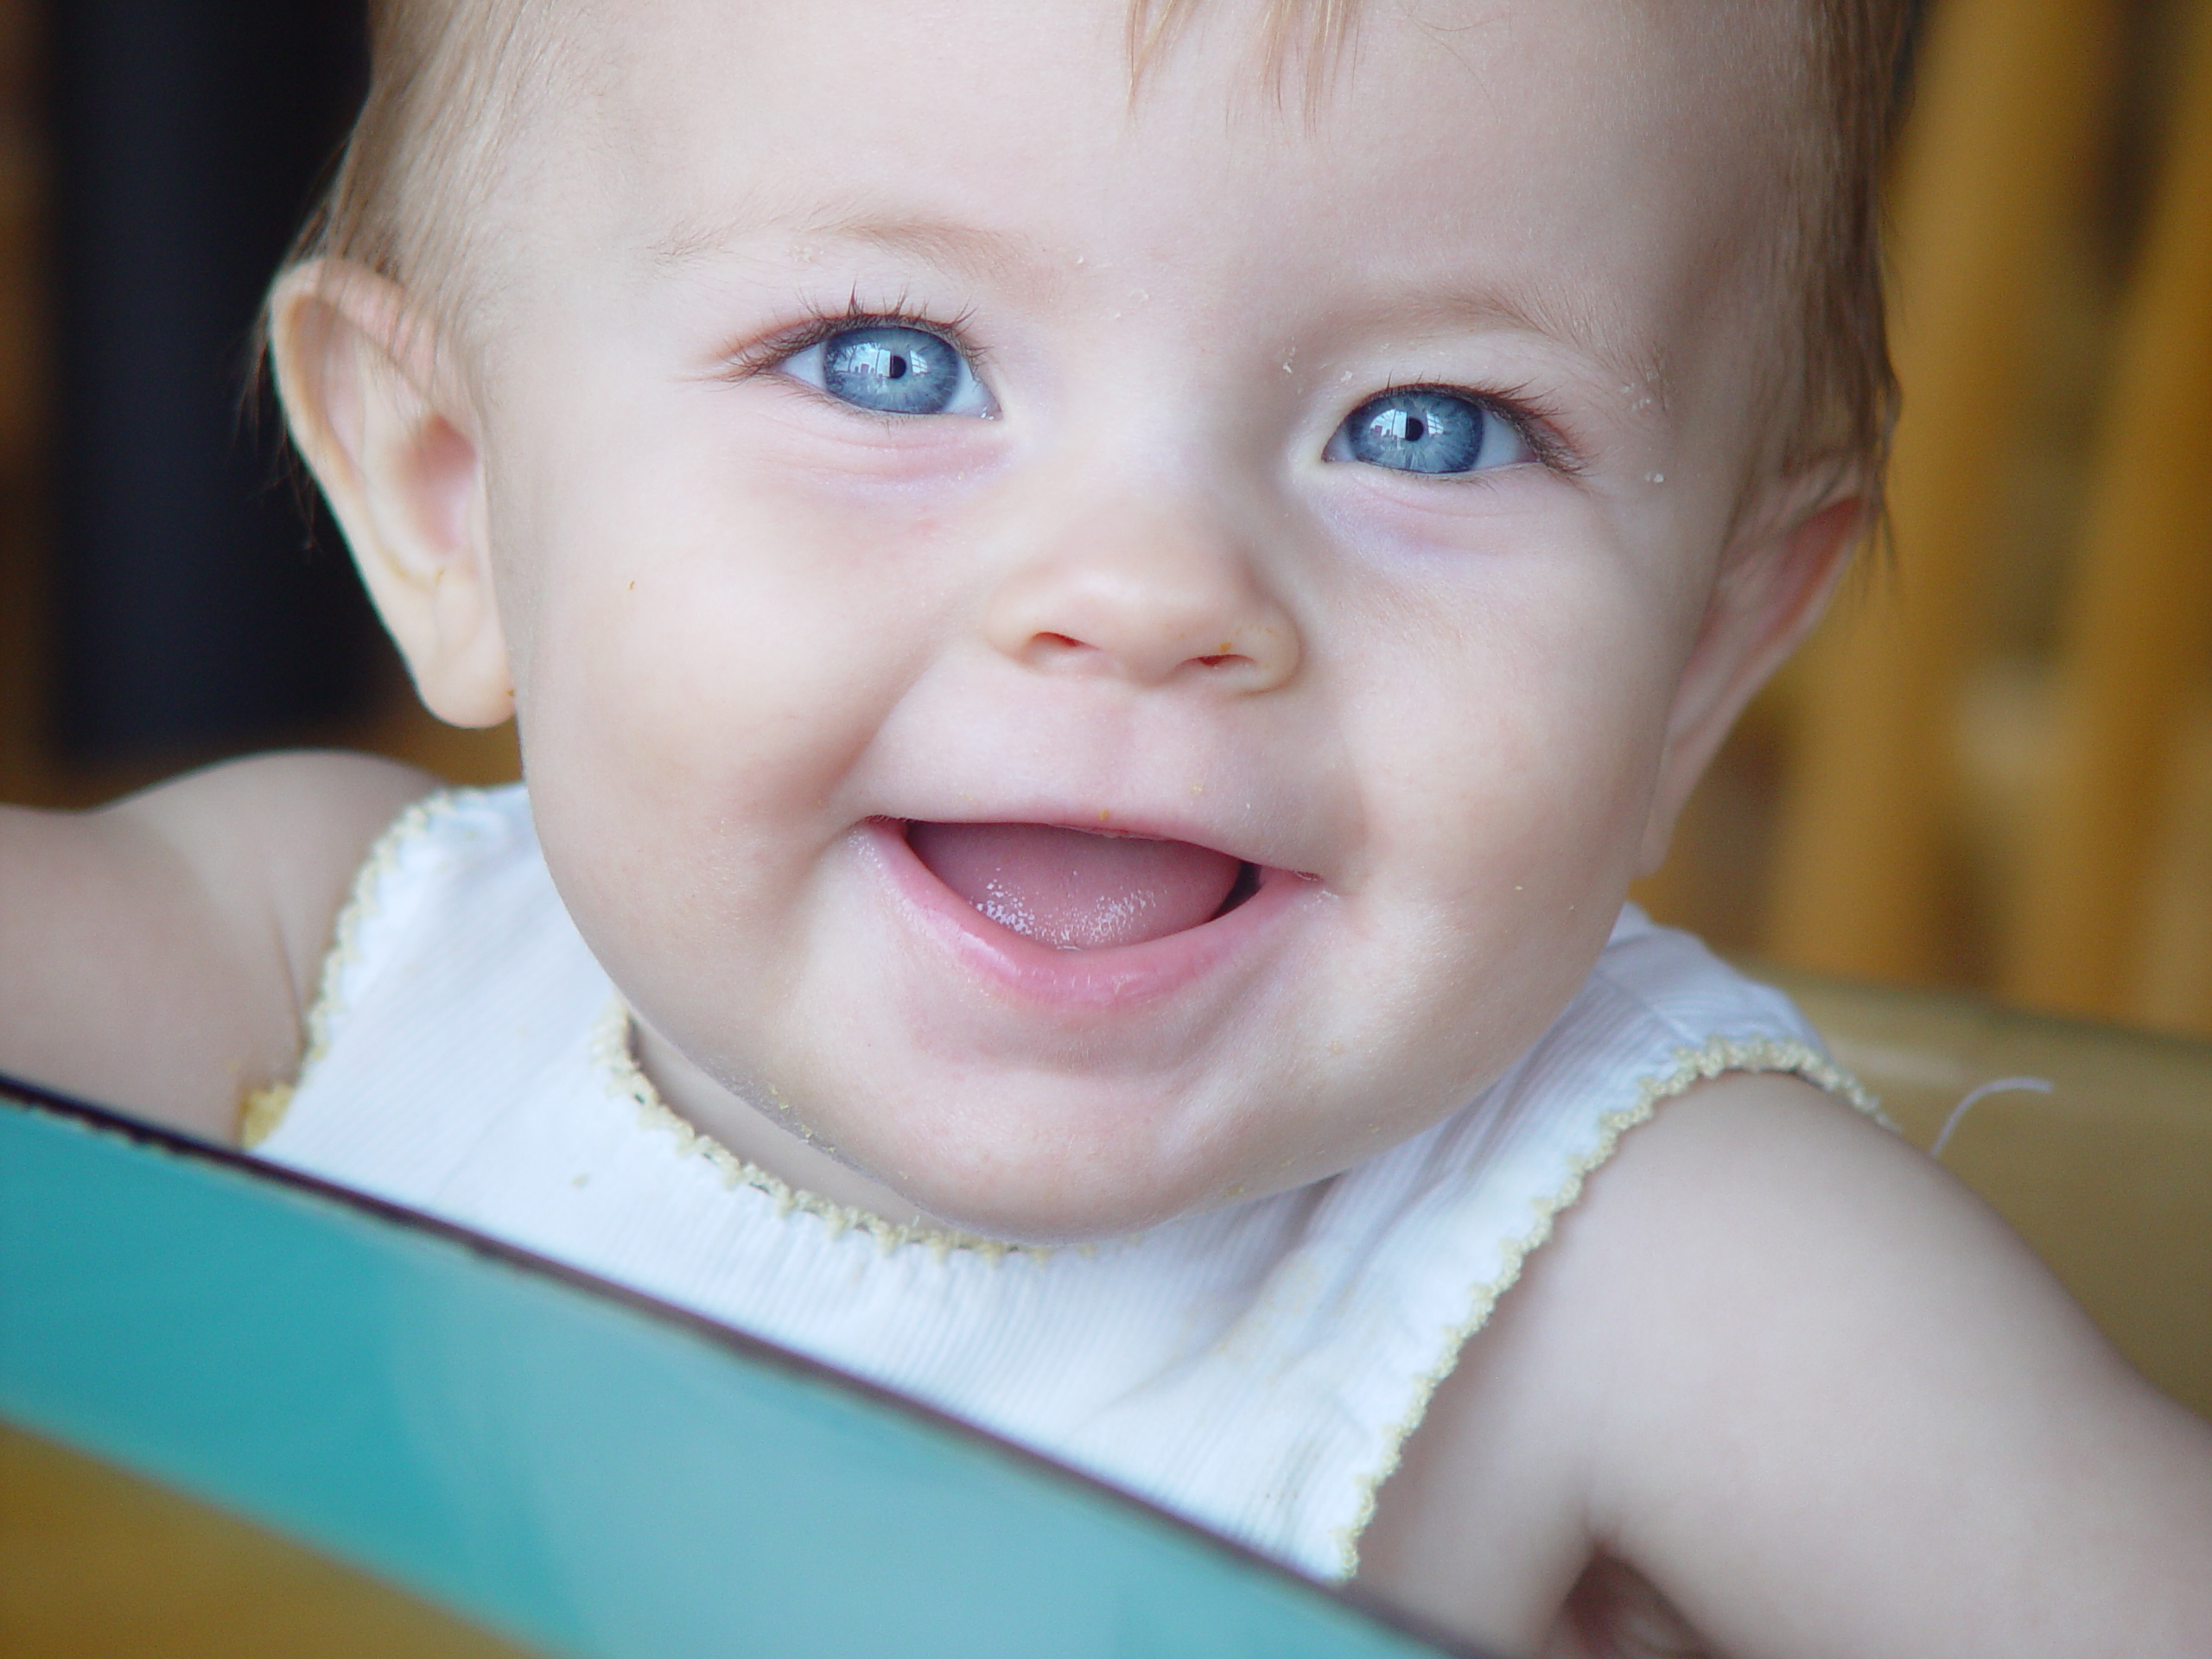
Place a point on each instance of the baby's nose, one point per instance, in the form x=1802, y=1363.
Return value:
x=1145, y=602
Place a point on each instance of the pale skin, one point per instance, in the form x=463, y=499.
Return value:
x=1777, y=1381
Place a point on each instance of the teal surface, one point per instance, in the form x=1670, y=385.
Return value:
x=591, y=1474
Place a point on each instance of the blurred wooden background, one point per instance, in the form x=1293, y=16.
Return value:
x=1993, y=768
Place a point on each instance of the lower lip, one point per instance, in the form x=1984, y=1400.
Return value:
x=1115, y=976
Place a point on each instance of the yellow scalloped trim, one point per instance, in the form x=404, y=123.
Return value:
x=261, y=1112
x=614, y=1053
x=1691, y=1067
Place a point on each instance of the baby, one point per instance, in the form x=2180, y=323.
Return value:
x=1102, y=606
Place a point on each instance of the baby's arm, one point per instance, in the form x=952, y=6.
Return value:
x=1798, y=1378
x=159, y=954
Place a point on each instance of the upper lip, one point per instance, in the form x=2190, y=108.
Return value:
x=1116, y=821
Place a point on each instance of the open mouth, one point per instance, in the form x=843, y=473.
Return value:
x=1080, y=890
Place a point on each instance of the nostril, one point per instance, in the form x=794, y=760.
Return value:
x=1047, y=648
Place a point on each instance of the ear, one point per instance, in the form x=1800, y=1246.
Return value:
x=390, y=435
x=1775, y=581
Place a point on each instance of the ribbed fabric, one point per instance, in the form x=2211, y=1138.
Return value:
x=1256, y=1369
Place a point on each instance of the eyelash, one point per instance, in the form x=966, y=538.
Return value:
x=1518, y=406
x=821, y=324
x=1532, y=420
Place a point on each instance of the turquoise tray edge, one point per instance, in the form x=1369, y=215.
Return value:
x=597, y=1474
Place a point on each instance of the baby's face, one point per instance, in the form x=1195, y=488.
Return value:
x=905, y=449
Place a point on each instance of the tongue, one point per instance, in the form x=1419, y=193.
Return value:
x=1074, y=890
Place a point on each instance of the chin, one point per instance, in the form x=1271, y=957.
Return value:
x=1046, y=1166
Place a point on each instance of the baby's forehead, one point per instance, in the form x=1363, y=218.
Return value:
x=1241, y=76
x=705, y=109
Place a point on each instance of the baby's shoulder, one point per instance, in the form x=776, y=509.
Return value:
x=1785, y=1369
x=278, y=837
x=161, y=951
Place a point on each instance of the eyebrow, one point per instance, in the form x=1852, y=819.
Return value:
x=959, y=249
x=1638, y=365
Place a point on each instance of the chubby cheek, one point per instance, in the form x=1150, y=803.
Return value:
x=707, y=659
x=1510, y=764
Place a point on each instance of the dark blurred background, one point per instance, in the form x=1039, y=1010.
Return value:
x=1993, y=770
x=196, y=606
x=173, y=592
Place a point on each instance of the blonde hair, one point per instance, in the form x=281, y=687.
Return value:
x=452, y=80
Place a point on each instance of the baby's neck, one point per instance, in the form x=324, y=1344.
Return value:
x=758, y=1138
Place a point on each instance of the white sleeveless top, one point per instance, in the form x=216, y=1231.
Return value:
x=1256, y=1369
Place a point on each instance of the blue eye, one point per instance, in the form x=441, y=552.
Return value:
x=1417, y=429
x=892, y=370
